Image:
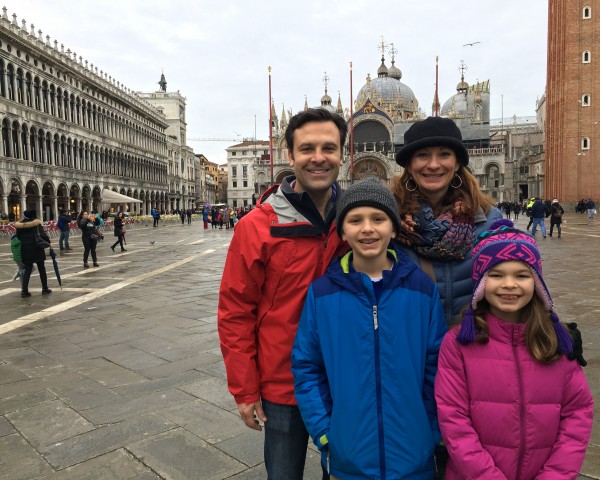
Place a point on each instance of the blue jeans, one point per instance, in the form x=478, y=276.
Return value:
x=540, y=222
x=64, y=237
x=286, y=440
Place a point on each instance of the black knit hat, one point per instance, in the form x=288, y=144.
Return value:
x=432, y=132
x=368, y=193
x=29, y=214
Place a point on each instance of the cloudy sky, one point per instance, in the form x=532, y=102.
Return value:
x=217, y=52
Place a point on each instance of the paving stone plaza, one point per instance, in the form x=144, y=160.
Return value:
x=119, y=375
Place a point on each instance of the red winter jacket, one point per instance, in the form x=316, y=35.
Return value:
x=275, y=254
x=504, y=415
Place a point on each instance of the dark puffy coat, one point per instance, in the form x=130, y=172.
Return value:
x=538, y=210
x=30, y=252
x=118, y=226
x=87, y=229
x=556, y=213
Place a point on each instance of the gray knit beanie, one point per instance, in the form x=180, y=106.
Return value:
x=368, y=193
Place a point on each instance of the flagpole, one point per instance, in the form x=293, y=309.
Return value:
x=437, y=98
x=270, y=127
x=351, y=130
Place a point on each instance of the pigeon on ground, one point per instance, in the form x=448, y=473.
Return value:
x=152, y=242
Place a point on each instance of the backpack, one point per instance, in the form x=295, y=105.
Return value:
x=59, y=224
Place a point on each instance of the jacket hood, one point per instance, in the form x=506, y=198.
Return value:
x=28, y=223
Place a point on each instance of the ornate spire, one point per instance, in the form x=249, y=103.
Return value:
x=382, y=71
x=325, y=99
x=393, y=71
x=305, y=103
x=339, y=108
x=462, y=86
x=283, y=123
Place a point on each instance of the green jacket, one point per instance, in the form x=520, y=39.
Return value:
x=15, y=246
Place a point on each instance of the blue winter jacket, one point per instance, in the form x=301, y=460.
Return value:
x=453, y=278
x=364, y=370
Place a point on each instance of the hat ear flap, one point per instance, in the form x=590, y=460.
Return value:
x=565, y=341
x=466, y=334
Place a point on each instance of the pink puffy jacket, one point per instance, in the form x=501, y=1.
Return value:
x=504, y=415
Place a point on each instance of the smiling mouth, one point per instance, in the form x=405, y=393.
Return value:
x=369, y=241
x=509, y=298
x=318, y=171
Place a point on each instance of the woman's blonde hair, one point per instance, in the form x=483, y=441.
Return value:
x=468, y=191
x=540, y=336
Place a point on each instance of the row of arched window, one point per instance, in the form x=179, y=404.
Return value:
x=38, y=145
x=35, y=92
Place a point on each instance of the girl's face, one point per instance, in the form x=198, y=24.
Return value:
x=433, y=169
x=508, y=289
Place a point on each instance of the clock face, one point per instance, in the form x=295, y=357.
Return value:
x=525, y=152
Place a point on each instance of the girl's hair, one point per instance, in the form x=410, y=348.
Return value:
x=468, y=192
x=540, y=336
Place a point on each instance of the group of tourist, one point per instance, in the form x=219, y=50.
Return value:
x=30, y=242
x=334, y=312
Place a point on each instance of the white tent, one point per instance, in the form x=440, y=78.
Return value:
x=108, y=196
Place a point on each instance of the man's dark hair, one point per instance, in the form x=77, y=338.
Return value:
x=315, y=115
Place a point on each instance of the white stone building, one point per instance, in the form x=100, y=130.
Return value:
x=70, y=130
x=241, y=165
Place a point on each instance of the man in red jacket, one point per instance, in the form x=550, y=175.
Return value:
x=276, y=251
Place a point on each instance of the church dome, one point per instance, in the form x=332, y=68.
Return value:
x=385, y=92
x=455, y=106
x=394, y=72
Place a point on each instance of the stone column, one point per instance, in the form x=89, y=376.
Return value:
x=40, y=208
x=5, y=203
x=55, y=207
x=23, y=204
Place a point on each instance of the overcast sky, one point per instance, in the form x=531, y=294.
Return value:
x=216, y=53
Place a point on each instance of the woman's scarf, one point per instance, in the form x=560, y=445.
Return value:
x=448, y=237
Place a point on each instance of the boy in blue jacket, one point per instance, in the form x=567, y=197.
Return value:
x=366, y=350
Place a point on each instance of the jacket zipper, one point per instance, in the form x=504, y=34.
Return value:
x=515, y=339
x=378, y=390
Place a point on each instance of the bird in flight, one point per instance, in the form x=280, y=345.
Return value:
x=470, y=44
x=152, y=242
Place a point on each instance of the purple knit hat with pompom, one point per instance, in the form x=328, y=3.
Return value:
x=504, y=243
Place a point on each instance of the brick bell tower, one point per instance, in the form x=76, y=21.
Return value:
x=572, y=157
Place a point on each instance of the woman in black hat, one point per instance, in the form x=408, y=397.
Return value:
x=441, y=207
x=27, y=230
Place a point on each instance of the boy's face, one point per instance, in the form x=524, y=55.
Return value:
x=368, y=231
x=509, y=288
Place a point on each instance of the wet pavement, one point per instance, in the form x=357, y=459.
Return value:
x=119, y=375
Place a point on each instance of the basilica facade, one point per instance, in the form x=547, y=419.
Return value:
x=384, y=109
x=70, y=130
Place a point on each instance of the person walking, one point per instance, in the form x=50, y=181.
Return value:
x=538, y=213
x=556, y=214
x=155, y=217
x=205, y=218
x=226, y=218
x=441, y=208
x=182, y=216
x=511, y=404
x=214, y=221
x=29, y=231
x=528, y=211
x=276, y=250
x=188, y=214
x=119, y=232
x=64, y=225
x=590, y=206
x=351, y=322
x=89, y=238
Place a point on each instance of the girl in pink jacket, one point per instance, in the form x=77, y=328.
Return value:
x=510, y=404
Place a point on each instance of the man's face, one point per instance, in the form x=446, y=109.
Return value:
x=316, y=157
